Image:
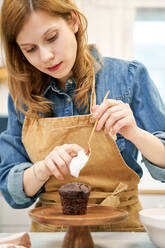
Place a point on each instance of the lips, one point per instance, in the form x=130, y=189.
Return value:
x=55, y=67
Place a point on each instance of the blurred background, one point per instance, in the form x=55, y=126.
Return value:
x=126, y=29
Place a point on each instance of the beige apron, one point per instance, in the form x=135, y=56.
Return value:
x=103, y=172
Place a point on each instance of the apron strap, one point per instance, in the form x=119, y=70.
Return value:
x=93, y=93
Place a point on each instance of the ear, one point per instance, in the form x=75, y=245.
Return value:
x=75, y=22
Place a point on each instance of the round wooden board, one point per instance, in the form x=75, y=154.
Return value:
x=96, y=215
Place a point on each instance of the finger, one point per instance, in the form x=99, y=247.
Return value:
x=72, y=149
x=103, y=119
x=114, y=118
x=60, y=163
x=53, y=169
x=123, y=123
x=110, y=112
x=66, y=157
x=104, y=106
x=95, y=107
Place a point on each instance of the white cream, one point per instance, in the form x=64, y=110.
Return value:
x=78, y=163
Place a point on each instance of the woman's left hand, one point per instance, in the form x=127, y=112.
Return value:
x=116, y=117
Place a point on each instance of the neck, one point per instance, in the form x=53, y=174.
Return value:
x=62, y=81
x=62, y=85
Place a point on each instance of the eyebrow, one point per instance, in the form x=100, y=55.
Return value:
x=26, y=44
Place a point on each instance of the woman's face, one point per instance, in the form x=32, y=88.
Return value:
x=49, y=43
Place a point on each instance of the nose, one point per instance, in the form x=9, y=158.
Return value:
x=46, y=55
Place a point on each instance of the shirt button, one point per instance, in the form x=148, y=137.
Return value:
x=68, y=99
x=70, y=81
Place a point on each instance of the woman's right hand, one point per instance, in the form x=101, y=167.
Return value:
x=58, y=160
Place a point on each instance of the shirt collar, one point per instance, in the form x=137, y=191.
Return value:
x=70, y=85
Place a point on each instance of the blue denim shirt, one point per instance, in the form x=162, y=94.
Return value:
x=127, y=81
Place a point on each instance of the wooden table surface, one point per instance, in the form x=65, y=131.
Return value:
x=101, y=240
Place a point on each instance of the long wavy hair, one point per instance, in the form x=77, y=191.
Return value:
x=26, y=83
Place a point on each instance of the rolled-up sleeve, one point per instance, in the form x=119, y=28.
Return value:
x=13, y=161
x=148, y=109
x=155, y=171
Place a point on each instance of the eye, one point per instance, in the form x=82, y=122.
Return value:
x=52, y=38
x=30, y=50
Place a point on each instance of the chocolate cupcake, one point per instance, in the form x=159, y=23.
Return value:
x=74, y=198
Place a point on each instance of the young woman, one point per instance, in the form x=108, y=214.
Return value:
x=57, y=85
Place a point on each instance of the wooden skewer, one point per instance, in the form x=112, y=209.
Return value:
x=90, y=137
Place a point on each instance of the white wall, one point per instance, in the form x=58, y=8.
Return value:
x=3, y=98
